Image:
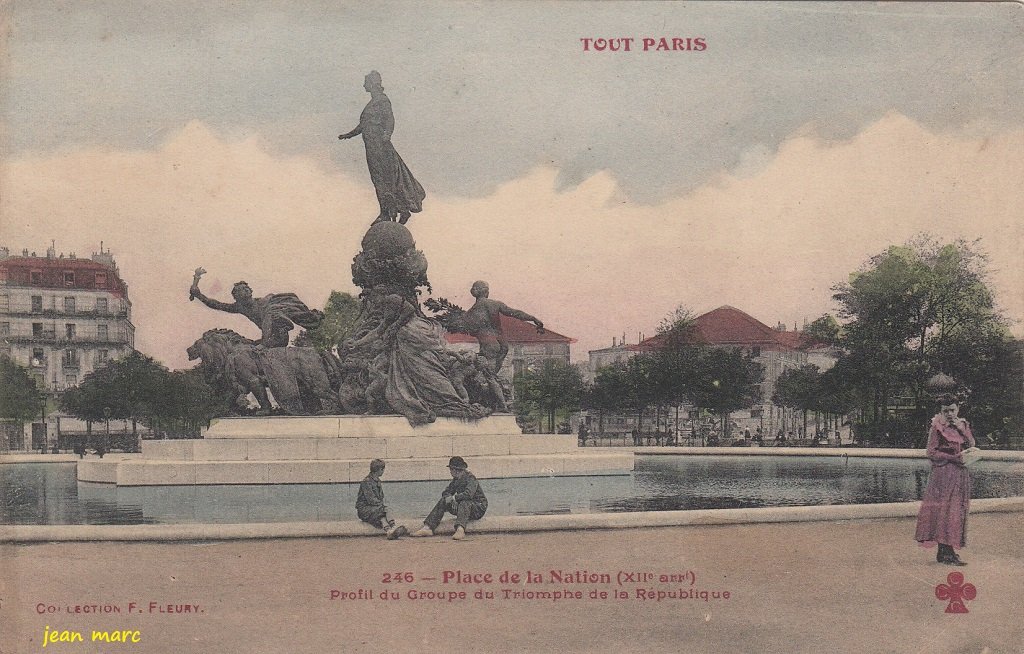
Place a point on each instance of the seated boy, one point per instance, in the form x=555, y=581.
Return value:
x=463, y=498
x=370, y=505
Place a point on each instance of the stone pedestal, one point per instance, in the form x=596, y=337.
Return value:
x=337, y=449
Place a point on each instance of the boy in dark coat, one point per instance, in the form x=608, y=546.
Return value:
x=463, y=498
x=370, y=505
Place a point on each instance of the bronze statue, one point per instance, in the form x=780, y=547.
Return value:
x=482, y=321
x=275, y=314
x=398, y=192
x=300, y=378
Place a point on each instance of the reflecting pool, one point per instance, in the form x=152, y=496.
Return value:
x=49, y=493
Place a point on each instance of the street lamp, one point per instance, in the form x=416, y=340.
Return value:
x=106, y=441
x=42, y=419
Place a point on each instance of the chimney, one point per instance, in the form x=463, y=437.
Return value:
x=613, y=341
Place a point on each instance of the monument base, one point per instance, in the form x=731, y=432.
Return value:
x=337, y=449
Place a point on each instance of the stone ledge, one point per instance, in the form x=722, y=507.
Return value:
x=138, y=471
x=500, y=524
x=853, y=452
x=355, y=427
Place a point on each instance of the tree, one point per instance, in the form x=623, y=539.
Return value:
x=918, y=309
x=825, y=329
x=800, y=389
x=341, y=313
x=20, y=399
x=133, y=388
x=555, y=386
x=609, y=392
x=724, y=380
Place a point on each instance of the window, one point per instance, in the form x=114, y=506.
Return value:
x=69, y=330
x=756, y=413
x=70, y=380
x=102, y=356
x=755, y=351
x=37, y=330
x=36, y=276
x=38, y=379
x=70, y=358
x=38, y=357
x=5, y=329
x=101, y=305
x=37, y=304
x=101, y=280
x=5, y=302
x=69, y=305
x=101, y=332
x=69, y=278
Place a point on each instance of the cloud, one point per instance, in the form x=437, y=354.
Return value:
x=587, y=261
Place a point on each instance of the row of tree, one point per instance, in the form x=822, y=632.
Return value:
x=137, y=388
x=649, y=385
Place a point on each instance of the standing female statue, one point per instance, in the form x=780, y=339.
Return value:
x=398, y=192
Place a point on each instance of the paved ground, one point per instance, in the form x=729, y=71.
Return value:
x=852, y=586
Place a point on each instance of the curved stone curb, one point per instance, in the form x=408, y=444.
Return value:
x=668, y=450
x=501, y=524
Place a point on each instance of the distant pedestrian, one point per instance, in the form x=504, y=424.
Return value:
x=370, y=506
x=463, y=498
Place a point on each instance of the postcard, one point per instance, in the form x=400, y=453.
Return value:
x=552, y=326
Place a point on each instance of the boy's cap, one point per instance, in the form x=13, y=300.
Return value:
x=458, y=463
x=377, y=464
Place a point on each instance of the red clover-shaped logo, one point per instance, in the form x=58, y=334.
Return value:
x=956, y=591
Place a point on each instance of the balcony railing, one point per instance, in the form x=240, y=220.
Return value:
x=59, y=313
x=79, y=339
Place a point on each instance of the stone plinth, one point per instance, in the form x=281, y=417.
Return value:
x=337, y=449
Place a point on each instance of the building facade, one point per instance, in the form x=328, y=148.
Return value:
x=62, y=317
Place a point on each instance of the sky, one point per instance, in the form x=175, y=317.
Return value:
x=597, y=190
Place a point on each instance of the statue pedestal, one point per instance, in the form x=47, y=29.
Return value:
x=338, y=449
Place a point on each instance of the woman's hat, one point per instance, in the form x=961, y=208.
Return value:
x=457, y=463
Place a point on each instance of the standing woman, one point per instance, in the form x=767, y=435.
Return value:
x=398, y=192
x=947, y=497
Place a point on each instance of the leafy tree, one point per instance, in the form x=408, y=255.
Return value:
x=917, y=309
x=341, y=313
x=800, y=389
x=825, y=329
x=20, y=399
x=725, y=380
x=609, y=392
x=555, y=386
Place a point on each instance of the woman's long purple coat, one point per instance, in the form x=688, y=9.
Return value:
x=947, y=498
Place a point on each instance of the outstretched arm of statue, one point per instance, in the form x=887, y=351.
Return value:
x=194, y=292
x=355, y=132
x=521, y=315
